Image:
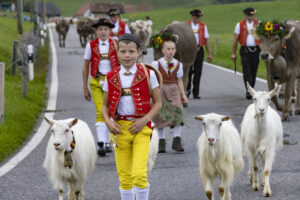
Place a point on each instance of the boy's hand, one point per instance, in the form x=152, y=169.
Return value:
x=113, y=127
x=87, y=94
x=138, y=125
x=184, y=99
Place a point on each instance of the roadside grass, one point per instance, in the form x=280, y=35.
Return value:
x=221, y=20
x=20, y=114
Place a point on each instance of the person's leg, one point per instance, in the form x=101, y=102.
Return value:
x=123, y=157
x=198, y=72
x=254, y=66
x=141, y=144
x=177, y=141
x=162, y=140
x=97, y=94
x=189, y=85
x=246, y=68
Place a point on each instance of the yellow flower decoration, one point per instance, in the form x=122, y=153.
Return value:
x=159, y=40
x=269, y=26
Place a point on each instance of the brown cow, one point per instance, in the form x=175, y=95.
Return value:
x=283, y=64
x=62, y=28
x=84, y=30
x=186, y=46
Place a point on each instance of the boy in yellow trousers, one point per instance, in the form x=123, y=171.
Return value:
x=127, y=111
x=101, y=55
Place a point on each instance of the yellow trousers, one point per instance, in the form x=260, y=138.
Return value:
x=131, y=154
x=97, y=94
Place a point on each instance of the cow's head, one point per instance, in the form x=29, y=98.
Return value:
x=143, y=31
x=61, y=133
x=212, y=124
x=273, y=44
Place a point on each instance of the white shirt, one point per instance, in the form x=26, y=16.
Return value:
x=196, y=28
x=164, y=65
x=250, y=41
x=126, y=106
x=115, y=30
x=104, y=65
x=149, y=22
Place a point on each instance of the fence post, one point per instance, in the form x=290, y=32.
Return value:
x=14, y=57
x=2, y=82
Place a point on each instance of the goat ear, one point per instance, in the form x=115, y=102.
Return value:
x=274, y=91
x=73, y=122
x=49, y=121
x=250, y=89
x=226, y=118
x=199, y=118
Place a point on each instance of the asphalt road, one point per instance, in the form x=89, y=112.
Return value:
x=175, y=175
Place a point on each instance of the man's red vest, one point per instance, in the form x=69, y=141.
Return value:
x=96, y=56
x=201, y=33
x=139, y=91
x=244, y=32
x=121, y=30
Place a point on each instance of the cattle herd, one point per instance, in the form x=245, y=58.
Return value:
x=261, y=129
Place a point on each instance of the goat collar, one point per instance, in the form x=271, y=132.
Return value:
x=68, y=161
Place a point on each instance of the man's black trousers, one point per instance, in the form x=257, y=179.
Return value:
x=196, y=69
x=250, y=61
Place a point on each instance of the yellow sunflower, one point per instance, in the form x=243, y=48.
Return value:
x=159, y=40
x=269, y=26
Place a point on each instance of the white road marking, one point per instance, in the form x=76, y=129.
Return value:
x=42, y=130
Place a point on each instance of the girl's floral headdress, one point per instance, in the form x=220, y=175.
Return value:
x=157, y=40
x=270, y=28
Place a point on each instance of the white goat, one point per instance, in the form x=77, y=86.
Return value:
x=69, y=163
x=220, y=153
x=153, y=150
x=262, y=133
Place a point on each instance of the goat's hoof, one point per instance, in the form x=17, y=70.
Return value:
x=267, y=191
x=209, y=195
x=255, y=187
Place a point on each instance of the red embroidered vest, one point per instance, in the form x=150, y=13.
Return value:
x=121, y=30
x=96, y=57
x=139, y=91
x=168, y=78
x=244, y=32
x=201, y=33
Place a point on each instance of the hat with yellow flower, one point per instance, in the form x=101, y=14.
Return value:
x=249, y=11
x=113, y=11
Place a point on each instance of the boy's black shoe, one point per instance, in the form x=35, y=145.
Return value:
x=197, y=97
x=162, y=146
x=108, y=148
x=177, y=144
x=101, y=150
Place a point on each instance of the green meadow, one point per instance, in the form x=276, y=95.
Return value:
x=20, y=114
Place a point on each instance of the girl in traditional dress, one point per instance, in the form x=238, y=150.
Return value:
x=173, y=95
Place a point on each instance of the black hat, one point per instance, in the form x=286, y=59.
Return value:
x=103, y=22
x=249, y=11
x=196, y=13
x=131, y=37
x=113, y=11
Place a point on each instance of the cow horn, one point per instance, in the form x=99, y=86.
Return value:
x=289, y=34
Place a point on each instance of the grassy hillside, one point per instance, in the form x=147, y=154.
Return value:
x=221, y=20
x=20, y=114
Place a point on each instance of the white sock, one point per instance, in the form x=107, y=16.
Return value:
x=161, y=133
x=101, y=131
x=177, y=131
x=142, y=194
x=127, y=194
x=107, y=132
